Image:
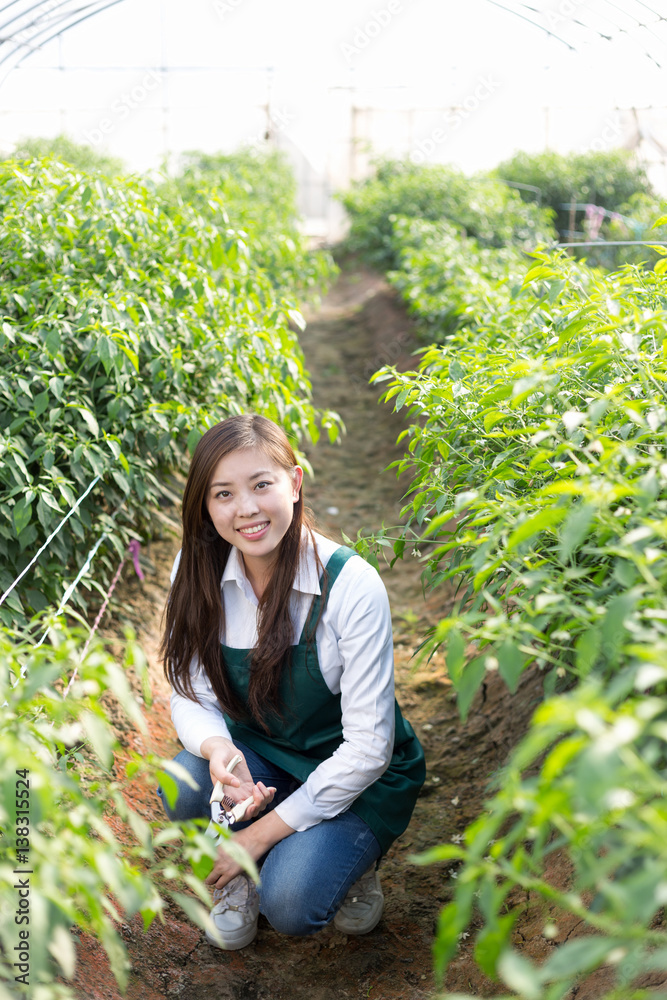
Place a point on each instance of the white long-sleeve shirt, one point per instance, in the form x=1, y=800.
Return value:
x=355, y=653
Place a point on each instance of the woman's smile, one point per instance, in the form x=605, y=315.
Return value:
x=252, y=531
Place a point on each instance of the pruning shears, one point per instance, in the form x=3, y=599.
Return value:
x=224, y=810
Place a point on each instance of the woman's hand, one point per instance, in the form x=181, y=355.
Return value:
x=256, y=839
x=238, y=783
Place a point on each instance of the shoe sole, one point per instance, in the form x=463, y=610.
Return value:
x=354, y=929
x=234, y=941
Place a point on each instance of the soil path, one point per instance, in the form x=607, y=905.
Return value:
x=359, y=327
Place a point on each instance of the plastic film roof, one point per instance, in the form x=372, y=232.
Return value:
x=26, y=26
x=577, y=23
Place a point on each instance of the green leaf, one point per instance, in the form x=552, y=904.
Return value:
x=455, y=656
x=196, y=913
x=21, y=515
x=613, y=629
x=444, y=852
x=574, y=957
x=106, y=349
x=43, y=513
x=297, y=318
x=575, y=529
x=193, y=439
x=89, y=419
x=469, y=684
x=492, y=940
x=121, y=480
x=132, y=355
x=41, y=403
x=100, y=736
x=510, y=664
x=587, y=649
x=169, y=788
x=535, y=524
x=52, y=341
x=61, y=946
x=520, y=975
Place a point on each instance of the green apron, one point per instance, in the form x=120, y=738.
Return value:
x=311, y=727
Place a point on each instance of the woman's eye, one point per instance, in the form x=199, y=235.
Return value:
x=262, y=484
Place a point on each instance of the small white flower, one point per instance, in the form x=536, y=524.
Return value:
x=455, y=801
x=457, y=838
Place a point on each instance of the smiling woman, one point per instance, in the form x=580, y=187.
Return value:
x=278, y=646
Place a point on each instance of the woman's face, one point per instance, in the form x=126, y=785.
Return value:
x=250, y=501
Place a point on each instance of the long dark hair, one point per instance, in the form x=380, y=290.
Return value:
x=194, y=614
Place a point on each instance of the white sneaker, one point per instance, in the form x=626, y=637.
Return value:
x=235, y=914
x=363, y=906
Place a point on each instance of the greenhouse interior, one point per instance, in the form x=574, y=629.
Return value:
x=340, y=330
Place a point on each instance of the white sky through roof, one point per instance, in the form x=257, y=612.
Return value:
x=407, y=53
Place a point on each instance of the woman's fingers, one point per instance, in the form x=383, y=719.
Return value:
x=262, y=796
x=219, y=769
x=224, y=869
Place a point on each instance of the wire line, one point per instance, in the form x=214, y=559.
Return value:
x=48, y=541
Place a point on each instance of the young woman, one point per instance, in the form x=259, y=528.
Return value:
x=278, y=647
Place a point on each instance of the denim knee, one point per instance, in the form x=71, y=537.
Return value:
x=291, y=909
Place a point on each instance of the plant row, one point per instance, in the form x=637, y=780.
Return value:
x=134, y=315
x=64, y=864
x=536, y=450
x=527, y=200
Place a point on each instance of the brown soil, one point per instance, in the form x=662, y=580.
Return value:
x=359, y=327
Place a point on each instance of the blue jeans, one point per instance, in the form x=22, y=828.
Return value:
x=304, y=878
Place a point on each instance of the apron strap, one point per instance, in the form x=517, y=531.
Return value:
x=328, y=578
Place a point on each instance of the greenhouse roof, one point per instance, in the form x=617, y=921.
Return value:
x=27, y=26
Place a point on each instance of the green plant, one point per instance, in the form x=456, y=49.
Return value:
x=607, y=178
x=62, y=865
x=538, y=474
x=257, y=193
x=448, y=280
x=79, y=155
x=129, y=325
x=480, y=206
x=535, y=445
x=594, y=801
x=539, y=484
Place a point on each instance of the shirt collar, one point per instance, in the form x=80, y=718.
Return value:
x=306, y=578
